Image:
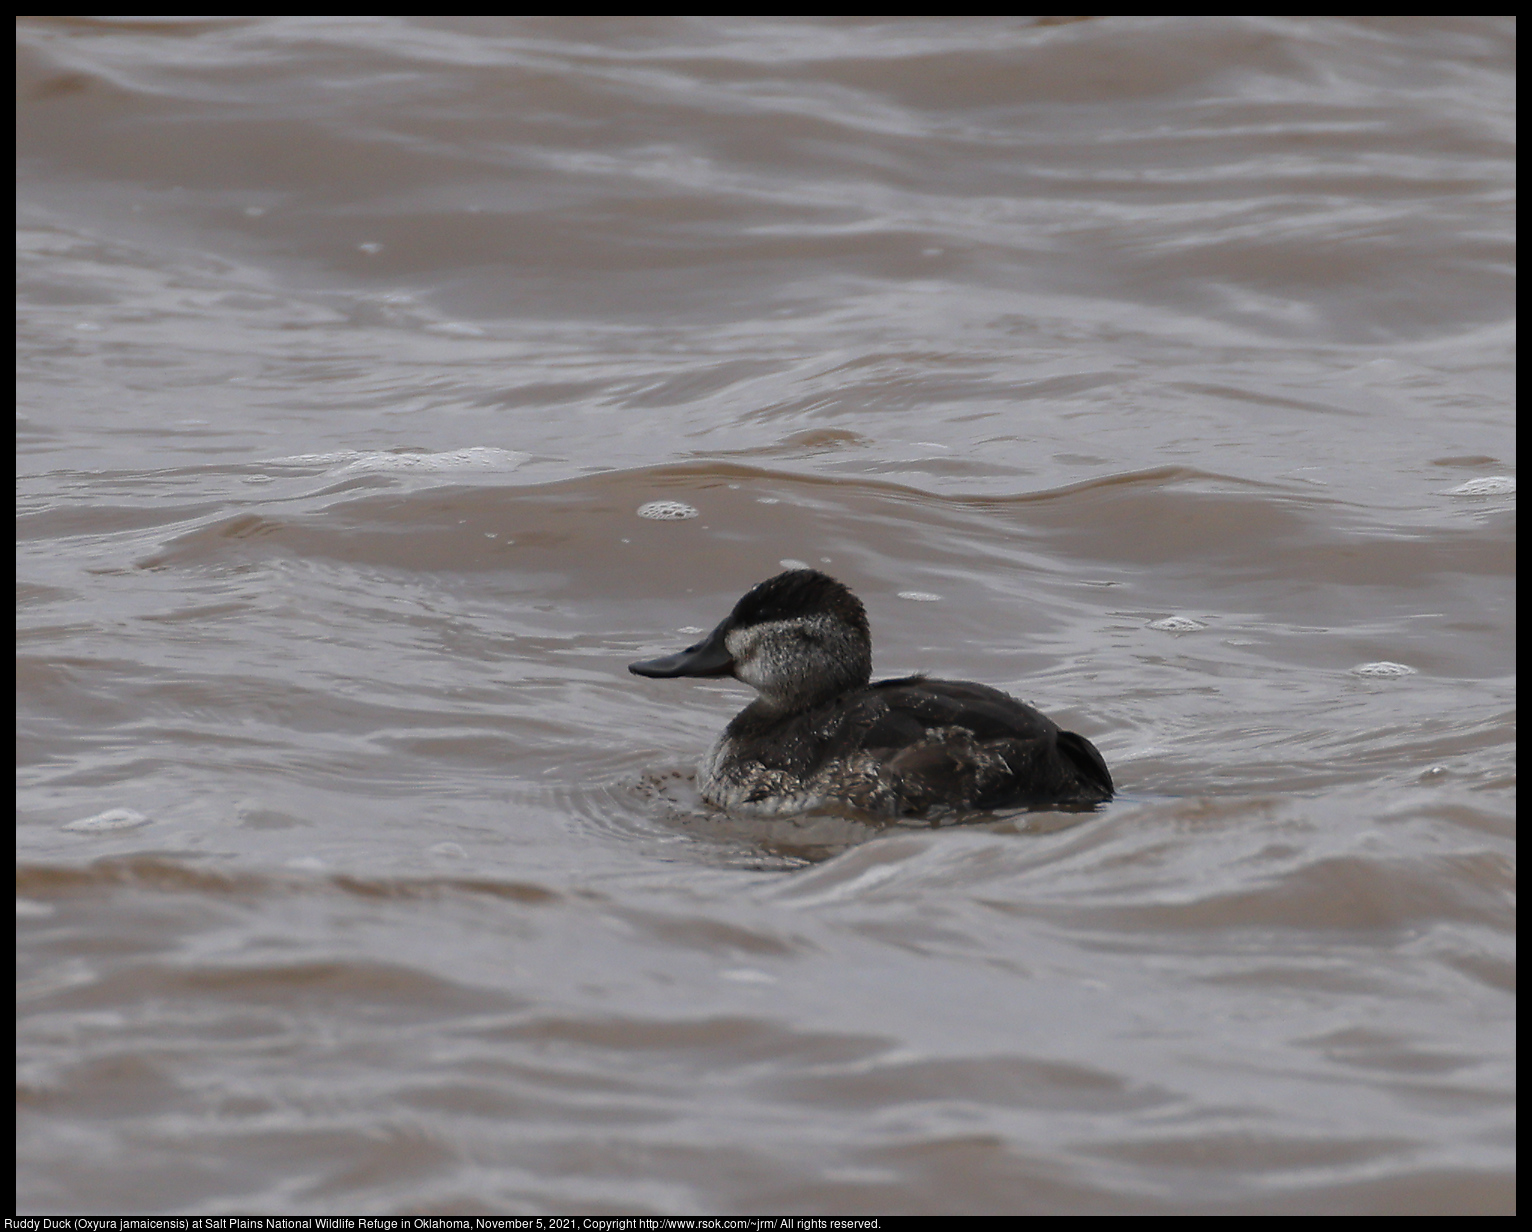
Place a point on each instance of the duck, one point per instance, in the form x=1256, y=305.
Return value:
x=821, y=735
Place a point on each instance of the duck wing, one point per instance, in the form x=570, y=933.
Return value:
x=970, y=746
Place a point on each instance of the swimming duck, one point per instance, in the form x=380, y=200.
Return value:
x=821, y=734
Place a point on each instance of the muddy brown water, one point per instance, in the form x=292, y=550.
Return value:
x=1157, y=370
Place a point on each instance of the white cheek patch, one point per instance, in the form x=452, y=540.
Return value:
x=738, y=642
x=744, y=647
x=749, y=673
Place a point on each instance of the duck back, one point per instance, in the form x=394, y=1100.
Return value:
x=900, y=747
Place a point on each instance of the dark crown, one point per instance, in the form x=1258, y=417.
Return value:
x=800, y=592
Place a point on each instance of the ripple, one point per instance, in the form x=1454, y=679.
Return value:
x=350, y=461
x=662, y=810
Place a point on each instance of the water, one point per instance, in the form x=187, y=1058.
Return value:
x=1157, y=370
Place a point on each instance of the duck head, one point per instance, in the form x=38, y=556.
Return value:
x=798, y=639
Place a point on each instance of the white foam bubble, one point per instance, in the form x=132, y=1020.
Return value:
x=787, y=562
x=1177, y=624
x=452, y=850
x=667, y=511
x=112, y=819
x=920, y=596
x=1488, y=485
x=1382, y=668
